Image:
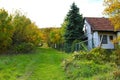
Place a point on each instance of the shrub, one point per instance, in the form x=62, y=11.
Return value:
x=23, y=48
x=98, y=55
x=6, y=31
x=93, y=64
x=77, y=69
x=116, y=54
x=116, y=74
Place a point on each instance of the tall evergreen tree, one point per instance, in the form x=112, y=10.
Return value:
x=73, y=26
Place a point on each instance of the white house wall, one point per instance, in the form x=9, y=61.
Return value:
x=88, y=34
x=118, y=35
x=109, y=45
x=96, y=41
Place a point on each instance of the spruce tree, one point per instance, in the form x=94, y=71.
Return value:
x=73, y=29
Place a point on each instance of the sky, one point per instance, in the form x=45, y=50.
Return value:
x=51, y=13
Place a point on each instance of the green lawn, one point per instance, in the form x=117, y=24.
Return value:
x=44, y=64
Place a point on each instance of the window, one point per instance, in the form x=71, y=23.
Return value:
x=103, y=38
x=111, y=37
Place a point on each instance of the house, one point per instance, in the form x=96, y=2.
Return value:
x=99, y=32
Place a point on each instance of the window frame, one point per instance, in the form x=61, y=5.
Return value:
x=104, y=39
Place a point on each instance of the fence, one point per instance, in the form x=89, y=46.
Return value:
x=83, y=45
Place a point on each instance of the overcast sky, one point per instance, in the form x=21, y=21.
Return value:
x=49, y=13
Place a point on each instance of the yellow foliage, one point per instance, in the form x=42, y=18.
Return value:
x=55, y=36
x=116, y=40
x=25, y=30
x=6, y=30
x=113, y=11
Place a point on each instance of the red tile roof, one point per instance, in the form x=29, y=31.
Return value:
x=100, y=24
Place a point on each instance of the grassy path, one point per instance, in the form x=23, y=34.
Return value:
x=44, y=64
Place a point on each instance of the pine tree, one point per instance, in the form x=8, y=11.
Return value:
x=73, y=26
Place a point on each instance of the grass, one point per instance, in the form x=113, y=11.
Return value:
x=44, y=64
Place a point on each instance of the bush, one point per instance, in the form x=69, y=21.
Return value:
x=96, y=64
x=78, y=69
x=116, y=74
x=98, y=55
x=6, y=30
x=23, y=48
x=116, y=54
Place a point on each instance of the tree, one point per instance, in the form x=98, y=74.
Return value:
x=17, y=33
x=20, y=22
x=45, y=35
x=6, y=30
x=25, y=30
x=26, y=34
x=113, y=11
x=72, y=26
x=55, y=37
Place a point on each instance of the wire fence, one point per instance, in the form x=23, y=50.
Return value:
x=83, y=45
